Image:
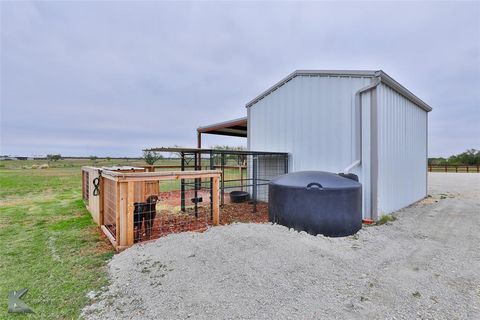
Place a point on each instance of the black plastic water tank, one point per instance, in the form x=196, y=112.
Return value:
x=316, y=202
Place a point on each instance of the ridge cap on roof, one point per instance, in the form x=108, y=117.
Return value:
x=300, y=72
x=388, y=80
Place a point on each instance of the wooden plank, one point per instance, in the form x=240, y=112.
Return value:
x=199, y=174
x=123, y=214
x=101, y=199
x=130, y=208
x=215, y=201
x=163, y=178
x=117, y=211
x=109, y=236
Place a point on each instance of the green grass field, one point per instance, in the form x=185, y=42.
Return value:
x=48, y=241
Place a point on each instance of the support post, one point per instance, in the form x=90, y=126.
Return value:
x=254, y=182
x=212, y=167
x=216, y=206
x=123, y=215
x=286, y=163
x=101, y=199
x=182, y=184
x=196, y=184
x=199, y=140
x=117, y=213
x=223, y=179
x=130, y=209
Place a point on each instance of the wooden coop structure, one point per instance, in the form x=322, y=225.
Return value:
x=190, y=192
x=118, y=201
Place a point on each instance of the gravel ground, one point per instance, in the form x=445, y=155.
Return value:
x=424, y=265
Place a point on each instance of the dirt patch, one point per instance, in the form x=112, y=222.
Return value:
x=167, y=222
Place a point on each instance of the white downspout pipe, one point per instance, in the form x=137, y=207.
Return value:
x=358, y=106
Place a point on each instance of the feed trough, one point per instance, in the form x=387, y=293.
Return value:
x=316, y=202
x=239, y=196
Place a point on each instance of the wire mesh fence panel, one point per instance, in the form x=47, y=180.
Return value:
x=110, y=210
x=85, y=185
x=171, y=206
x=241, y=171
x=174, y=201
x=267, y=167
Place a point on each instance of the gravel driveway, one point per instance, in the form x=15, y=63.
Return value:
x=424, y=265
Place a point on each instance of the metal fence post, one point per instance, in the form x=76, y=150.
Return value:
x=223, y=178
x=197, y=181
x=212, y=167
x=254, y=176
x=286, y=163
x=182, y=184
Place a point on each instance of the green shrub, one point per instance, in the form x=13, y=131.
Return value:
x=385, y=219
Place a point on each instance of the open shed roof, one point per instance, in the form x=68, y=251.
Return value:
x=235, y=127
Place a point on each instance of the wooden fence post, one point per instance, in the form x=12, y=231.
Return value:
x=130, y=208
x=123, y=213
x=215, y=201
x=117, y=213
x=101, y=199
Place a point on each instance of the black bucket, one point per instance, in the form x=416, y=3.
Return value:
x=239, y=196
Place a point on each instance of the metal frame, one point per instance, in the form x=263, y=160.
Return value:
x=210, y=155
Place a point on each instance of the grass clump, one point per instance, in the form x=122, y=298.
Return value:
x=385, y=219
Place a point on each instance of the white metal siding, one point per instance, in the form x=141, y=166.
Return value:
x=402, y=151
x=313, y=119
x=310, y=117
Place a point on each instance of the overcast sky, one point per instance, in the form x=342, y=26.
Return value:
x=111, y=78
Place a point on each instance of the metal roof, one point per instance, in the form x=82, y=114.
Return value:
x=385, y=78
x=216, y=151
x=235, y=127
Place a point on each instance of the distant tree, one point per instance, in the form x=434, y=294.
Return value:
x=469, y=157
x=54, y=157
x=239, y=159
x=151, y=157
x=93, y=158
x=108, y=159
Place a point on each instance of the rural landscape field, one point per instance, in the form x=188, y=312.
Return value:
x=240, y=160
x=48, y=240
x=52, y=247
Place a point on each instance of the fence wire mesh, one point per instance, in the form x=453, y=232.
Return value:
x=177, y=205
x=110, y=209
x=85, y=185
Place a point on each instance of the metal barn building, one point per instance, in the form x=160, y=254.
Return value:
x=363, y=122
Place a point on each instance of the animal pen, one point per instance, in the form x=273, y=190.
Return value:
x=204, y=187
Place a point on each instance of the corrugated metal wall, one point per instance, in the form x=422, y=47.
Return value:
x=313, y=119
x=402, y=151
x=310, y=117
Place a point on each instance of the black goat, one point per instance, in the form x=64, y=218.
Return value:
x=144, y=211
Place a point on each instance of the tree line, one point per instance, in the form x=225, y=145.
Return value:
x=469, y=157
